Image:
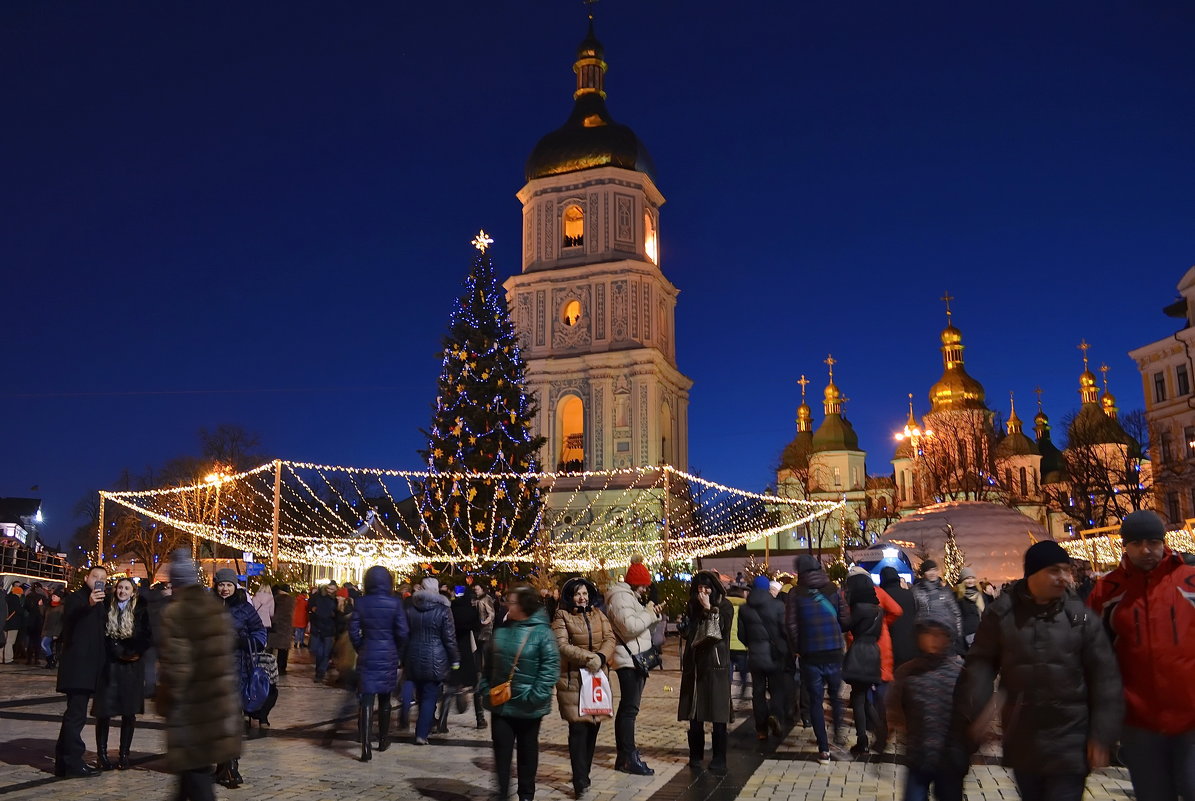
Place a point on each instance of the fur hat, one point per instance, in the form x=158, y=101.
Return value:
x=637, y=573
x=430, y=583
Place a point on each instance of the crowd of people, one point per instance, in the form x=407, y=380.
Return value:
x=1071, y=679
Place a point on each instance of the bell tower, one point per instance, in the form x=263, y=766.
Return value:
x=595, y=314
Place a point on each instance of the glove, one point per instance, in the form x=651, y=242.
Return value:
x=594, y=664
x=456, y=665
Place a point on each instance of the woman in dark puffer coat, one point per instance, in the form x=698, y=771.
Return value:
x=249, y=637
x=431, y=651
x=705, y=669
x=122, y=686
x=467, y=623
x=378, y=630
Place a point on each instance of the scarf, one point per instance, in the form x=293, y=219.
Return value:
x=973, y=595
x=120, y=619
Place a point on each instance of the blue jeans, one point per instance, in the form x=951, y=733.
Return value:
x=819, y=679
x=738, y=661
x=1161, y=766
x=1050, y=786
x=299, y=636
x=321, y=649
x=427, y=693
x=47, y=647
x=948, y=786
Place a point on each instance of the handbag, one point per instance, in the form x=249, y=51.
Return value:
x=256, y=688
x=500, y=693
x=640, y=661
x=709, y=629
x=862, y=663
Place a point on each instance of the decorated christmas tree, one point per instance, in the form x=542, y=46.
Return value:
x=955, y=560
x=481, y=426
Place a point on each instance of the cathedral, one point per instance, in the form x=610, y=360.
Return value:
x=956, y=453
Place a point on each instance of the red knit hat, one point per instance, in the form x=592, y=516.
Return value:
x=637, y=575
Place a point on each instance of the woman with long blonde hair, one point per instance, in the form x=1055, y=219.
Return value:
x=121, y=688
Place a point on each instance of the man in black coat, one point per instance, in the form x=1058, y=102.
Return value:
x=761, y=629
x=83, y=658
x=903, y=629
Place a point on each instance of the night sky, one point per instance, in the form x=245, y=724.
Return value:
x=260, y=212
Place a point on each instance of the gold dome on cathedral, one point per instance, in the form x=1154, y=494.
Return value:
x=951, y=335
x=955, y=389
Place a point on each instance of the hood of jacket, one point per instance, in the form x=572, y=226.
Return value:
x=889, y=577
x=861, y=590
x=426, y=599
x=759, y=597
x=379, y=581
x=814, y=579
x=570, y=587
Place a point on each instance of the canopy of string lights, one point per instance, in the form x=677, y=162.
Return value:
x=305, y=513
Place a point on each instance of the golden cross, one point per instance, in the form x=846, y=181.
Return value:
x=482, y=241
x=1038, y=391
x=910, y=404
x=589, y=7
x=1104, y=369
x=804, y=382
x=830, y=360
x=1012, y=402
x=947, y=298
x=1083, y=346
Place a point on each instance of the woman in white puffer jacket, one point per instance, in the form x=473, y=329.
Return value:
x=633, y=619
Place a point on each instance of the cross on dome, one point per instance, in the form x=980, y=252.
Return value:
x=804, y=382
x=1083, y=346
x=946, y=299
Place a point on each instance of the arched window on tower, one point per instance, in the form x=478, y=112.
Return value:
x=651, y=246
x=571, y=414
x=573, y=227
x=667, y=455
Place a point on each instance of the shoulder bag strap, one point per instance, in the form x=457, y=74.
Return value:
x=518, y=653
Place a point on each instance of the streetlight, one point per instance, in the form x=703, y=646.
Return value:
x=214, y=479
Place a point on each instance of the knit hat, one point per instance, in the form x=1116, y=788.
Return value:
x=804, y=563
x=637, y=573
x=761, y=583
x=1142, y=525
x=775, y=586
x=182, y=569
x=926, y=566
x=966, y=574
x=225, y=574
x=430, y=583
x=1044, y=554
x=889, y=575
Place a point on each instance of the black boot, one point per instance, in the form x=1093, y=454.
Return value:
x=224, y=775
x=441, y=726
x=696, y=748
x=365, y=727
x=101, y=743
x=636, y=766
x=480, y=715
x=126, y=742
x=235, y=772
x=383, y=728
x=718, y=761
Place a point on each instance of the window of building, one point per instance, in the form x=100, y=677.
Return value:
x=666, y=440
x=837, y=477
x=1189, y=441
x=1172, y=508
x=904, y=487
x=854, y=478
x=572, y=313
x=1159, y=387
x=1008, y=479
x=573, y=227
x=1167, y=446
x=1183, y=380
x=572, y=435
x=1024, y=483
x=651, y=246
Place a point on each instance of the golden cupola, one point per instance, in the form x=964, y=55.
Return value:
x=1015, y=443
x=796, y=453
x=836, y=432
x=955, y=389
x=1089, y=390
x=1108, y=400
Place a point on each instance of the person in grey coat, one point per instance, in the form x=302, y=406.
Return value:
x=935, y=598
x=1063, y=705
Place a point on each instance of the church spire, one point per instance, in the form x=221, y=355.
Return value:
x=1014, y=423
x=590, y=65
x=955, y=389
x=1088, y=390
x=832, y=398
x=1108, y=400
x=804, y=413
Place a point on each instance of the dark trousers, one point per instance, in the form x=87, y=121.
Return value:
x=1162, y=766
x=321, y=649
x=513, y=735
x=582, y=740
x=767, y=697
x=948, y=786
x=630, y=693
x=819, y=679
x=426, y=693
x=68, y=753
x=864, y=712
x=738, y=662
x=195, y=785
x=1050, y=786
x=283, y=659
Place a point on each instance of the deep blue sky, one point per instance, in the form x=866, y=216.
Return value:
x=279, y=195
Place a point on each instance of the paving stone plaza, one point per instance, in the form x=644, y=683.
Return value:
x=294, y=762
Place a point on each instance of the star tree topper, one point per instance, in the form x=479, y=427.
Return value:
x=482, y=241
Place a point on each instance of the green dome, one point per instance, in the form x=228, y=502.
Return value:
x=1016, y=444
x=835, y=434
x=1053, y=467
x=1092, y=427
x=796, y=454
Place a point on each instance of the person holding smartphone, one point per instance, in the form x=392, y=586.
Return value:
x=84, y=655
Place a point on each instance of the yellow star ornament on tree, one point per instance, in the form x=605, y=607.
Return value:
x=482, y=241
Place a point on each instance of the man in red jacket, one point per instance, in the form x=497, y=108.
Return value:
x=1148, y=606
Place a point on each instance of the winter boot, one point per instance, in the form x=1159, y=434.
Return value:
x=127, y=726
x=696, y=748
x=101, y=743
x=636, y=766
x=480, y=718
x=718, y=761
x=383, y=726
x=441, y=726
x=235, y=774
x=365, y=728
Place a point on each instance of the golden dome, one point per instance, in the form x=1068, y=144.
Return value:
x=804, y=417
x=1087, y=379
x=956, y=390
x=831, y=393
x=951, y=335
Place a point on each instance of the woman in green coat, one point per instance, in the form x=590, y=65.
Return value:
x=522, y=651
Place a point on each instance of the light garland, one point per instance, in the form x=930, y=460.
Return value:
x=1105, y=551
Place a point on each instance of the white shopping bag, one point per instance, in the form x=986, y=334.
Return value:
x=596, y=698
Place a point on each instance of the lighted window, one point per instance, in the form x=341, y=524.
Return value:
x=666, y=454
x=574, y=227
x=572, y=313
x=572, y=435
x=651, y=246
